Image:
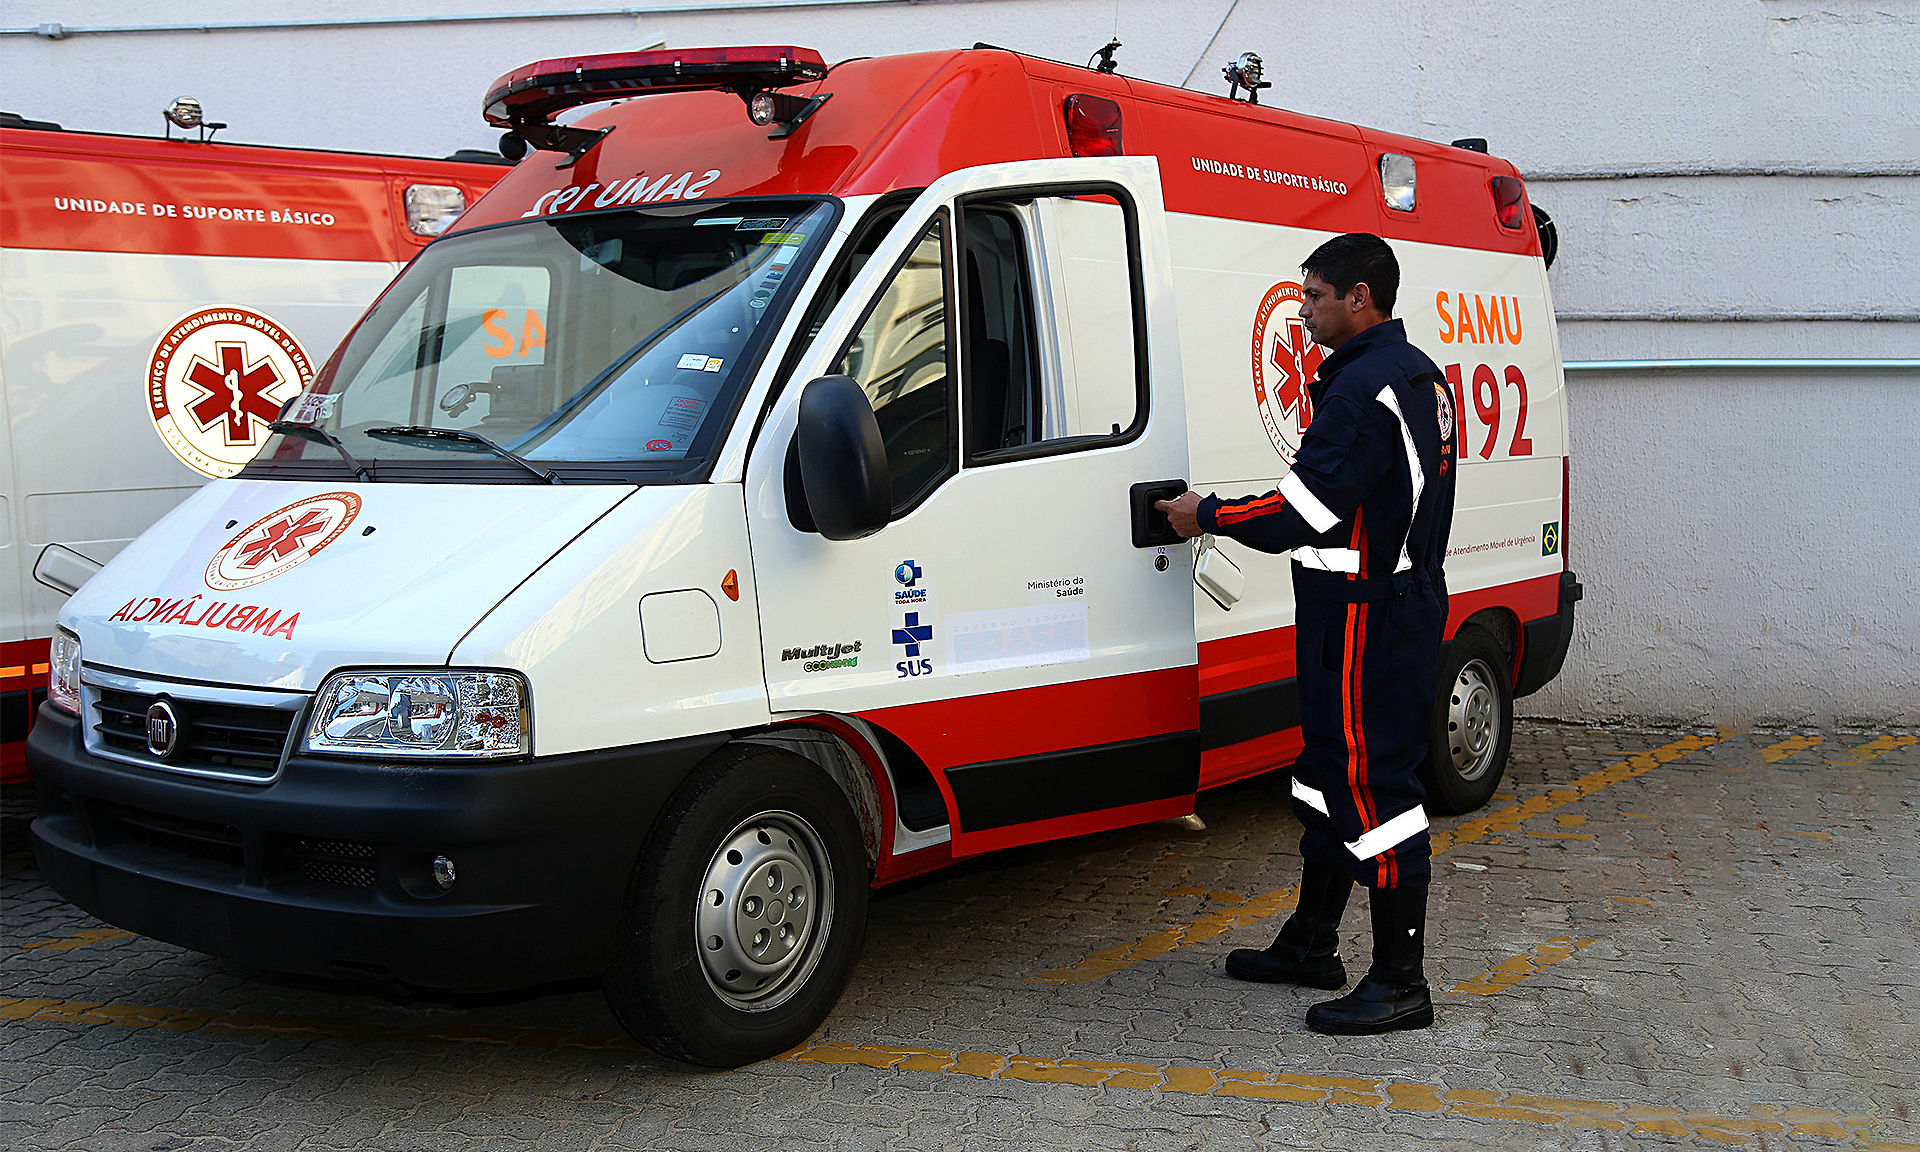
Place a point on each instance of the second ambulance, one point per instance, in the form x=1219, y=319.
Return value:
x=749, y=502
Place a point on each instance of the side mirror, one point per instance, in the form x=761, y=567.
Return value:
x=845, y=485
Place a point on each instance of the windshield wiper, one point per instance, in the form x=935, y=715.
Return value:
x=320, y=435
x=421, y=432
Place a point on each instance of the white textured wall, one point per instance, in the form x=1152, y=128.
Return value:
x=1747, y=542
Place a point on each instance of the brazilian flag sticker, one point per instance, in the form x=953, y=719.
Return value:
x=1550, y=539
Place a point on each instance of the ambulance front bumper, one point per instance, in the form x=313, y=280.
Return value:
x=330, y=870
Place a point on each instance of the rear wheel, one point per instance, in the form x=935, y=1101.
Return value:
x=744, y=917
x=1472, y=723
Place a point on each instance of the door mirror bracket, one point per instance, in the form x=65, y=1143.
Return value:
x=844, y=485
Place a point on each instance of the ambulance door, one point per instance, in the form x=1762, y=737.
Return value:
x=1023, y=622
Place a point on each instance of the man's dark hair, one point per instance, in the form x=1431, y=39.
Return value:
x=1358, y=258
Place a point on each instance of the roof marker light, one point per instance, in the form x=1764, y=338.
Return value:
x=526, y=100
x=1093, y=125
x=1396, y=181
x=1509, y=201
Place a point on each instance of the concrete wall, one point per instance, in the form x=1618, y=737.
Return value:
x=1732, y=178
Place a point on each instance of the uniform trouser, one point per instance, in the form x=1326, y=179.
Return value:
x=1367, y=675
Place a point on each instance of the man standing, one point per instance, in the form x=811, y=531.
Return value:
x=1364, y=512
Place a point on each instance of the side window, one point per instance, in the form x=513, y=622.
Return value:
x=1050, y=360
x=899, y=356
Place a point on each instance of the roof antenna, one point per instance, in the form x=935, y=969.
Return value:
x=1105, y=56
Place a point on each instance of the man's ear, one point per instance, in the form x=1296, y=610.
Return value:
x=1359, y=297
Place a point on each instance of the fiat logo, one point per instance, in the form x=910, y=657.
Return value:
x=163, y=729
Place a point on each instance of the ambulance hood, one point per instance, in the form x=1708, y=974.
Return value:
x=269, y=584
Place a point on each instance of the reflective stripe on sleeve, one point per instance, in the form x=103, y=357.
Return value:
x=1317, y=515
x=1389, y=835
x=1311, y=797
x=1414, y=470
x=1328, y=559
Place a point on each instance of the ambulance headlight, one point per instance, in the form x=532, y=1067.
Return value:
x=63, y=672
x=435, y=714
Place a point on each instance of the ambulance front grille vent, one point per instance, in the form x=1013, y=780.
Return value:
x=230, y=739
x=343, y=863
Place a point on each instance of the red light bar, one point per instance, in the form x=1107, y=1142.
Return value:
x=534, y=94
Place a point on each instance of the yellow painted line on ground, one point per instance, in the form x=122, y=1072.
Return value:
x=1872, y=748
x=70, y=942
x=94, y=1013
x=1507, y=973
x=1123, y=956
x=1384, y=1095
x=1380, y=1095
x=1788, y=747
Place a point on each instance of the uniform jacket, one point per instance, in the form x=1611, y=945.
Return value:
x=1366, y=507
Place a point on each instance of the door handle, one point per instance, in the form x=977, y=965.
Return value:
x=1151, y=528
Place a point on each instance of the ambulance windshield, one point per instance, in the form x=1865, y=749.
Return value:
x=617, y=343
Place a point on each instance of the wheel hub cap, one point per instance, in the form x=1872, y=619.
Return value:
x=1473, y=716
x=758, y=912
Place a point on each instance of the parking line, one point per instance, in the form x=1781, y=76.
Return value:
x=1171, y=1079
x=1381, y=1095
x=1787, y=747
x=68, y=943
x=1879, y=746
x=1507, y=973
x=1123, y=956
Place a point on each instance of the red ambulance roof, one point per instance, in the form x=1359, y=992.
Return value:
x=101, y=193
x=903, y=121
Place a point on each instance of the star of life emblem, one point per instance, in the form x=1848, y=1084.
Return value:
x=214, y=382
x=281, y=540
x=1285, y=359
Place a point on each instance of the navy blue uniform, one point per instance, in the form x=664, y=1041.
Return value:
x=1365, y=512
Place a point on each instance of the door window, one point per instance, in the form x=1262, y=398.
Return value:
x=900, y=358
x=1051, y=359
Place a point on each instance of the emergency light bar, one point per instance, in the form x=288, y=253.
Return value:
x=526, y=100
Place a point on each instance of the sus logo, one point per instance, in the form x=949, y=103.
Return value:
x=1285, y=359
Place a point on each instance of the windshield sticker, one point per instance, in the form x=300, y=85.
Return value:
x=784, y=238
x=714, y=364
x=659, y=445
x=281, y=540
x=214, y=382
x=694, y=360
x=763, y=223
x=709, y=221
x=218, y=614
x=683, y=413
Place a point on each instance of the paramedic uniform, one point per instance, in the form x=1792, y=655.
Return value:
x=1364, y=512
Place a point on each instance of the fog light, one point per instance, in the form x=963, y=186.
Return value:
x=761, y=109
x=443, y=874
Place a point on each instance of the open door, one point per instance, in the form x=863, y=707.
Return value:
x=1021, y=623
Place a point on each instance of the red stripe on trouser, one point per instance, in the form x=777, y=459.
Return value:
x=1352, y=661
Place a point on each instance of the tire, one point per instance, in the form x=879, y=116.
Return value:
x=1472, y=723
x=744, y=917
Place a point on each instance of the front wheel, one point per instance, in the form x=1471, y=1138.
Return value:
x=1472, y=723
x=744, y=917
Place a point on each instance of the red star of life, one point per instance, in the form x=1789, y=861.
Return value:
x=1298, y=359
x=284, y=537
x=235, y=392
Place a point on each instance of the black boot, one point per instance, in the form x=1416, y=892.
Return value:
x=1393, y=994
x=1307, y=950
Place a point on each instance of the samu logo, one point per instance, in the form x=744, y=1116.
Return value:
x=1285, y=359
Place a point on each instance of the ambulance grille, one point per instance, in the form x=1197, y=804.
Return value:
x=180, y=835
x=231, y=739
x=344, y=863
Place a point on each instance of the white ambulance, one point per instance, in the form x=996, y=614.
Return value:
x=159, y=299
x=749, y=502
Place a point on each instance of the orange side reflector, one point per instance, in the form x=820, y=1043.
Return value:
x=730, y=584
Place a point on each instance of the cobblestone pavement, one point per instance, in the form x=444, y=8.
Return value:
x=1649, y=938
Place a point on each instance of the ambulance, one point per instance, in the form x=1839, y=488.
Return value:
x=159, y=300
x=750, y=502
